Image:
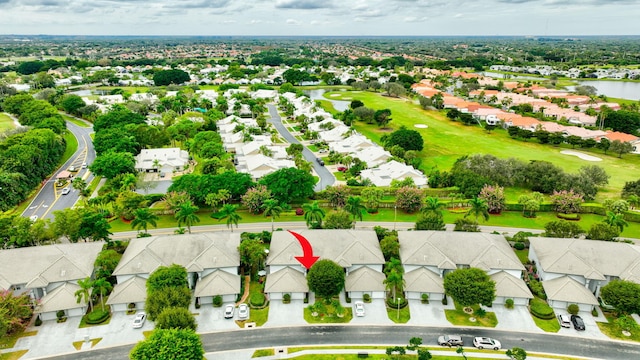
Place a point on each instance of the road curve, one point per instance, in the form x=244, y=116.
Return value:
x=326, y=177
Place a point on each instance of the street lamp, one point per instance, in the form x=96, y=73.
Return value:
x=395, y=215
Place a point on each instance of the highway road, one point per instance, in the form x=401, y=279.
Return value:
x=50, y=197
x=326, y=177
x=388, y=336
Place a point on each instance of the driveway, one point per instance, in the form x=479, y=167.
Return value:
x=375, y=313
x=591, y=328
x=211, y=318
x=52, y=338
x=517, y=318
x=286, y=314
x=431, y=314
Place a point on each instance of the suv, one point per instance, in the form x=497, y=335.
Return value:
x=564, y=321
x=450, y=340
x=488, y=343
x=578, y=324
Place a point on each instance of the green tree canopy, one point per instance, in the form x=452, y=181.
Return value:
x=326, y=278
x=167, y=277
x=288, y=184
x=337, y=219
x=176, y=344
x=176, y=318
x=470, y=286
x=173, y=76
x=622, y=295
x=111, y=164
x=408, y=139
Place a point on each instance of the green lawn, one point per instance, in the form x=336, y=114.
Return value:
x=551, y=325
x=459, y=317
x=614, y=331
x=76, y=121
x=14, y=355
x=446, y=141
x=399, y=317
x=6, y=123
x=72, y=146
x=7, y=342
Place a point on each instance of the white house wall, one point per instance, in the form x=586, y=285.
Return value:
x=415, y=295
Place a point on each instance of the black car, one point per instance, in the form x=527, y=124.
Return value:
x=320, y=161
x=577, y=322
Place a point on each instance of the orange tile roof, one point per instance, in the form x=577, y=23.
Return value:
x=615, y=135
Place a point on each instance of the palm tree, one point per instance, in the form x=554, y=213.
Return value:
x=102, y=286
x=432, y=204
x=616, y=220
x=633, y=200
x=355, y=207
x=479, y=208
x=313, y=214
x=83, y=294
x=394, y=283
x=129, y=182
x=230, y=213
x=271, y=208
x=143, y=218
x=187, y=214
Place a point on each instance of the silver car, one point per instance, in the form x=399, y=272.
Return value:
x=243, y=311
x=138, y=322
x=450, y=340
x=229, y=310
x=360, y=308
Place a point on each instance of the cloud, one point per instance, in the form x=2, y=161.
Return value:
x=293, y=22
x=201, y=4
x=303, y=4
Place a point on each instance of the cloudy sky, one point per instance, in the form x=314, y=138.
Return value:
x=320, y=17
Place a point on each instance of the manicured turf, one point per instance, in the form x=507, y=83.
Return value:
x=75, y=121
x=6, y=123
x=446, y=141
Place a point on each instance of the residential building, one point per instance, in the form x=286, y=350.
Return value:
x=393, y=170
x=164, y=160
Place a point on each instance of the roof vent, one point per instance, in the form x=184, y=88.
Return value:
x=215, y=259
x=63, y=272
x=139, y=265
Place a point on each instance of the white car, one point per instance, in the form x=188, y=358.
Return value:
x=84, y=165
x=138, y=322
x=359, y=308
x=486, y=343
x=564, y=321
x=229, y=310
x=243, y=311
x=33, y=218
x=65, y=191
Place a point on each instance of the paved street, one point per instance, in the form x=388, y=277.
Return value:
x=50, y=198
x=326, y=177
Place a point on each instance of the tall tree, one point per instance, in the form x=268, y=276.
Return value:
x=272, y=209
x=355, y=207
x=83, y=294
x=326, y=278
x=102, y=287
x=169, y=344
x=313, y=214
x=478, y=208
x=143, y=218
x=432, y=205
x=186, y=214
x=470, y=286
x=230, y=213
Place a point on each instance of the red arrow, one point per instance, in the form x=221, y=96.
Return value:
x=307, y=260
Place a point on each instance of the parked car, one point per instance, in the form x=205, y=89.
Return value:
x=243, y=311
x=342, y=168
x=450, y=340
x=139, y=320
x=359, y=308
x=577, y=322
x=72, y=168
x=65, y=191
x=564, y=320
x=486, y=343
x=320, y=161
x=229, y=310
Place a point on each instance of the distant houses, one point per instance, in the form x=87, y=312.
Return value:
x=165, y=160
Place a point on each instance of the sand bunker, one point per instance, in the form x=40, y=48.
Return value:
x=421, y=126
x=580, y=155
x=335, y=95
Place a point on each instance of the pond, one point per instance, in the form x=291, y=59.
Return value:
x=317, y=94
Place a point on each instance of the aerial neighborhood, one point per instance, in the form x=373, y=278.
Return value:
x=153, y=194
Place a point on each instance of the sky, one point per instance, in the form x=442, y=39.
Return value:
x=320, y=17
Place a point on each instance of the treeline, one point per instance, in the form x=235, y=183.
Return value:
x=29, y=155
x=471, y=173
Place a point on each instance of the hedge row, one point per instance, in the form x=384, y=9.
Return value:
x=97, y=317
x=540, y=309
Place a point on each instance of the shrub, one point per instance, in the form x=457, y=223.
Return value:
x=217, y=301
x=38, y=321
x=394, y=305
x=480, y=312
x=573, y=309
x=594, y=312
x=286, y=298
x=97, y=317
x=197, y=305
x=537, y=289
x=572, y=217
x=519, y=246
x=425, y=298
x=131, y=306
x=509, y=304
x=257, y=299
x=540, y=309
x=366, y=298
x=444, y=300
x=299, y=211
x=60, y=314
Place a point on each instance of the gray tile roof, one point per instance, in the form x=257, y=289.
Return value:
x=589, y=258
x=365, y=279
x=345, y=247
x=567, y=289
x=131, y=291
x=446, y=250
x=218, y=283
x=286, y=280
x=423, y=280
x=510, y=286
x=38, y=266
x=61, y=298
x=195, y=252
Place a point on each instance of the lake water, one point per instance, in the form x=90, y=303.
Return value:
x=317, y=94
x=611, y=88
